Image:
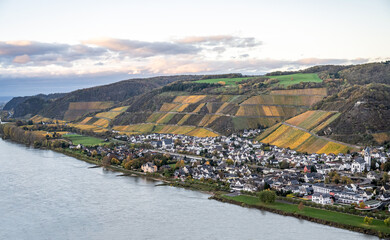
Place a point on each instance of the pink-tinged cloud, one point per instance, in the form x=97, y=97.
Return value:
x=222, y=40
x=135, y=48
x=21, y=59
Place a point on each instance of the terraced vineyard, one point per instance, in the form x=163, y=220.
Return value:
x=78, y=109
x=306, y=91
x=156, y=128
x=300, y=135
x=235, y=111
x=100, y=122
x=313, y=120
x=37, y=119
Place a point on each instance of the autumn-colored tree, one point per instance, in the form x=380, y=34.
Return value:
x=327, y=180
x=180, y=164
x=385, y=177
x=115, y=161
x=362, y=205
x=94, y=153
x=368, y=220
x=106, y=161
x=229, y=162
x=387, y=221
x=346, y=180
x=301, y=206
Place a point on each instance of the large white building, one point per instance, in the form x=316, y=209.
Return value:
x=321, y=198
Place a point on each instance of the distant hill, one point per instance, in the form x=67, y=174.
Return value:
x=30, y=105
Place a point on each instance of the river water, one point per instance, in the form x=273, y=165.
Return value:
x=47, y=195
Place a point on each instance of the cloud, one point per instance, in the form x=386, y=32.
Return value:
x=222, y=40
x=135, y=48
x=40, y=54
x=192, y=55
x=21, y=59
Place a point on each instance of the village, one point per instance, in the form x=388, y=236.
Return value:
x=360, y=179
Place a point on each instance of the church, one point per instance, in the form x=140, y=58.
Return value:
x=359, y=164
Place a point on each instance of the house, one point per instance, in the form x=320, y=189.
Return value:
x=373, y=175
x=149, y=167
x=321, y=198
x=167, y=143
x=348, y=197
x=321, y=188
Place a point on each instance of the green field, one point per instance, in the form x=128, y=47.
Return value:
x=84, y=140
x=228, y=81
x=332, y=216
x=285, y=80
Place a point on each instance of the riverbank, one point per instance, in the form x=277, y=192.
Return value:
x=326, y=217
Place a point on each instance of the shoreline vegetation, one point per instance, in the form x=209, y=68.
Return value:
x=282, y=206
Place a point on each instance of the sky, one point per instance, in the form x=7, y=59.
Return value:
x=59, y=46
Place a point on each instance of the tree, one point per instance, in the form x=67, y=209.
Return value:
x=362, y=205
x=180, y=164
x=301, y=206
x=94, y=153
x=229, y=162
x=335, y=177
x=385, y=166
x=346, y=180
x=106, y=161
x=387, y=221
x=368, y=220
x=327, y=180
x=267, y=196
x=385, y=177
x=114, y=161
x=284, y=164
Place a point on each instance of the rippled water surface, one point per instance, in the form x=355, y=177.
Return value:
x=47, y=195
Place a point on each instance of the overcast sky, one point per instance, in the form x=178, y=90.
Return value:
x=58, y=46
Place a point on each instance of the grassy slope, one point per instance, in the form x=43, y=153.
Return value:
x=315, y=213
x=84, y=140
x=228, y=81
x=285, y=80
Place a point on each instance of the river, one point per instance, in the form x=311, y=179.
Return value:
x=47, y=195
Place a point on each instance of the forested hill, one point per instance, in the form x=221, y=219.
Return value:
x=30, y=105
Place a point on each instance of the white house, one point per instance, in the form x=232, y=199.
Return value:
x=321, y=198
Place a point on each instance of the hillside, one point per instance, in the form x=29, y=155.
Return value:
x=364, y=112
x=300, y=133
x=115, y=92
x=351, y=105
